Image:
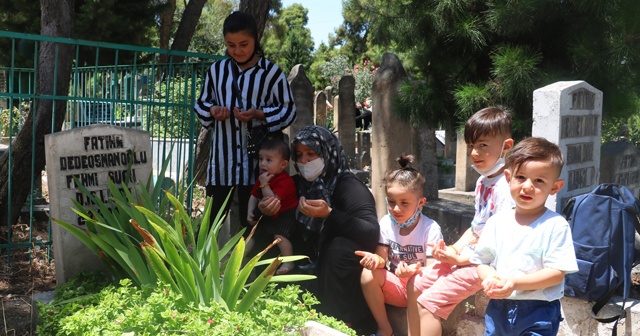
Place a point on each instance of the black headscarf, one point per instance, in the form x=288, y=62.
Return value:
x=328, y=147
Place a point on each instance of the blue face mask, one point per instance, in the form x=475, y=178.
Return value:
x=408, y=222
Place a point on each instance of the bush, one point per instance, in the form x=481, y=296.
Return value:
x=127, y=310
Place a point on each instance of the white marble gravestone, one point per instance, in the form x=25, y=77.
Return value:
x=569, y=114
x=94, y=155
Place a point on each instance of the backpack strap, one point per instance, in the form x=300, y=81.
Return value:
x=598, y=305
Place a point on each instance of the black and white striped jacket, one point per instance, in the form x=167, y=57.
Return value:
x=263, y=86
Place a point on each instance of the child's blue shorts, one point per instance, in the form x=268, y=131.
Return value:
x=522, y=317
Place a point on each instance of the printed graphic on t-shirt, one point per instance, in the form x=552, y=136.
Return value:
x=407, y=253
x=485, y=207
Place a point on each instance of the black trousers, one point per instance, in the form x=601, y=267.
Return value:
x=219, y=194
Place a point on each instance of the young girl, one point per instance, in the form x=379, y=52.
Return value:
x=405, y=236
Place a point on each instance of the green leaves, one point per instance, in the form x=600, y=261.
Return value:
x=148, y=236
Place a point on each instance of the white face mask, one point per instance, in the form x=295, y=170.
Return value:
x=312, y=169
x=496, y=166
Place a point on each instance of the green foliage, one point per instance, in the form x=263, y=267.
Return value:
x=70, y=297
x=333, y=69
x=11, y=120
x=418, y=104
x=617, y=129
x=287, y=41
x=208, y=38
x=174, y=118
x=148, y=236
x=364, y=74
x=125, y=309
x=503, y=50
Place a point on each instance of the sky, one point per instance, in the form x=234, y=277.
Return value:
x=324, y=17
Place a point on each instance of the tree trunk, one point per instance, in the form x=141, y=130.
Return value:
x=56, y=20
x=428, y=161
x=260, y=11
x=166, y=21
x=187, y=27
x=203, y=146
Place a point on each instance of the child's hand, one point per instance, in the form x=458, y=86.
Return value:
x=369, y=260
x=405, y=270
x=219, y=113
x=437, y=248
x=265, y=178
x=444, y=254
x=251, y=219
x=497, y=288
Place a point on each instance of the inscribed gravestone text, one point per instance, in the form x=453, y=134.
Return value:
x=92, y=156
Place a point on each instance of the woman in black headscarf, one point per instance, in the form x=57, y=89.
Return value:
x=335, y=204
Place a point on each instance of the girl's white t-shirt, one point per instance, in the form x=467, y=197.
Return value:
x=413, y=247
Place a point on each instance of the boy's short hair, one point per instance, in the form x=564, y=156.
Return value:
x=491, y=121
x=535, y=149
x=277, y=145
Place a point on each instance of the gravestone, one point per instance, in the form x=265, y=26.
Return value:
x=328, y=93
x=390, y=137
x=364, y=149
x=620, y=163
x=336, y=113
x=302, y=91
x=466, y=177
x=347, y=117
x=320, y=111
x=569, y=114
x=93, y=155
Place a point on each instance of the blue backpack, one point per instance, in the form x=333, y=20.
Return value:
x=603, y=226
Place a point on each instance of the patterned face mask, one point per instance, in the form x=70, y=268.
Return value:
x=406, y=223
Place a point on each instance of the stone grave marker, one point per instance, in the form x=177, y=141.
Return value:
x=93, y=155
x=320, y=109
x=569, y=114
x=620, y=164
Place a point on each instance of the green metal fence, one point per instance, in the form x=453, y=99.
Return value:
x=131, y=86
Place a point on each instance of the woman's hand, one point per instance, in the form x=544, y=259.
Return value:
x=269, y=206
x=248, y=115
x=405, y=270
x=314, y=208
x=219, y=113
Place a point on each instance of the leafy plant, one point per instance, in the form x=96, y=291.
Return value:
x=172, y=118
x=126, y=310
x=12, y=119
x=363, y=74
x=149, y=237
